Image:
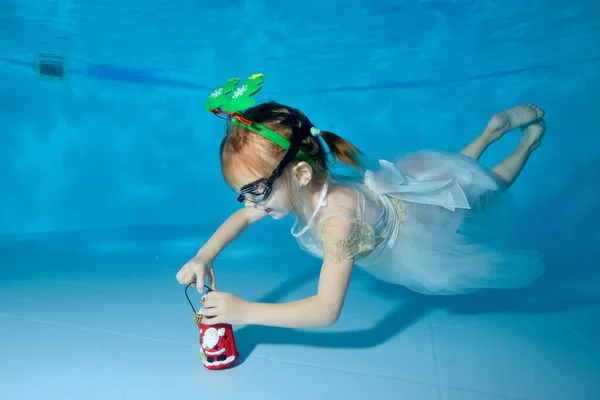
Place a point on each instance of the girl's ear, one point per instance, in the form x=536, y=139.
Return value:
x=303, y=174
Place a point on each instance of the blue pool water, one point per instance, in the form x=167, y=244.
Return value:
x=110, y=182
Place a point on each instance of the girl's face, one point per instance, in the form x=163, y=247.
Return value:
x=275, y=205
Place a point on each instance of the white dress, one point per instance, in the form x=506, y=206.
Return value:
x=435, y=222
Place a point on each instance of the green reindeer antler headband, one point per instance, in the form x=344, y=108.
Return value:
x=219, y=102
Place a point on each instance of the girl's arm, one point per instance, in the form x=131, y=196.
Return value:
x=233, y=226
x=201, y=264
x=323, y=308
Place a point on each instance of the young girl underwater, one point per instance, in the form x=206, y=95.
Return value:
x=432, y=221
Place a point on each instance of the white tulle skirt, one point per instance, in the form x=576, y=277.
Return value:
x=455, y=228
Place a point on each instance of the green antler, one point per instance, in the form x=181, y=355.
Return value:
x=218, y=97
x=220, y=101
x=240, y=98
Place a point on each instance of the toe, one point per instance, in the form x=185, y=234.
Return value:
x=538, y=111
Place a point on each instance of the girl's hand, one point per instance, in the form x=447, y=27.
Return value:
x=197, y=269
x=224, y=308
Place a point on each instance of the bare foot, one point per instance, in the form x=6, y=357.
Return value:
x=512, y=118
x=532, y=135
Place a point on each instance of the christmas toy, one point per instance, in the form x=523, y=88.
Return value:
x=217, y=343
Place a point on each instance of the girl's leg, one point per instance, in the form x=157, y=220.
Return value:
x=500, y=124
x=509, y=169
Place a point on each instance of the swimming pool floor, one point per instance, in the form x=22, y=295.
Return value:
x=106, y=319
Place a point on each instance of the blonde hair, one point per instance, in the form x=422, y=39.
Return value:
x=243, y=149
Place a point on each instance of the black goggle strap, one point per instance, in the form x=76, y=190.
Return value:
x=295, y=142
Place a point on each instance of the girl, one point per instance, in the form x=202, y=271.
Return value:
x=431, y=221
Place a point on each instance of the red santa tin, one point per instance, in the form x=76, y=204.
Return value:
x=217, y=342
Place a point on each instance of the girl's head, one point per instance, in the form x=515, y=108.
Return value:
x=248, y=159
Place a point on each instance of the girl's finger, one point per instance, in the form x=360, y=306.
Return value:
x=212, y=282
x=212, y=321
x=209, y=312
x=210, y=303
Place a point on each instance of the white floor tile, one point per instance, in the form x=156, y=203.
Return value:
x=299, y=382
x=56, y=362
x=469, y=360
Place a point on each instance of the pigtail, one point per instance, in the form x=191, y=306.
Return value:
x=341, y=149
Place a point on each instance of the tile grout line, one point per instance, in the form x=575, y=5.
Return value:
x=496, y=331
x=578, y=336
x=459, y=328
x=491, y=332
x=107, y=332
x=250, y=376
x=393, y=378
x=385, y=377
x=84, y=285
x=436, y=365
x=83, y=328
